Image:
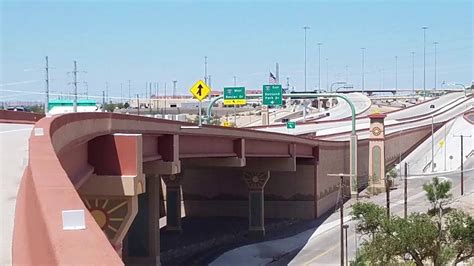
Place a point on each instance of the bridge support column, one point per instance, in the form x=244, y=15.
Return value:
x=265, y=116
x=173, y=202
x=256, y=182
x=142, y=245
x=377, y=153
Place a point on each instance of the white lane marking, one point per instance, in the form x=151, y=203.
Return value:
x=15, y=130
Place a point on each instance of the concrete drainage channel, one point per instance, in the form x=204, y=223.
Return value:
x=203, y=251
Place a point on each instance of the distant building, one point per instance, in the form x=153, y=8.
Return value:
x=66, y=106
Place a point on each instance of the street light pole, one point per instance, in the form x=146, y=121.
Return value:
x=205, y=70
x=305, y=28
x=396, y=74
x=327, y=74
x=363, y=71
x=413, y=71
x=424, y=62
x=319, y=66
x=338, y=83
x=464, y=87
x=435, y=44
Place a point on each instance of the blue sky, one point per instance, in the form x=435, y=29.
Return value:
x=151, y=41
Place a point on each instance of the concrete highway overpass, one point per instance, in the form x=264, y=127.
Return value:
x=122, y=170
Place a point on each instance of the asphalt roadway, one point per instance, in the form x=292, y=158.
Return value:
x=445, y=108
x=13, y=160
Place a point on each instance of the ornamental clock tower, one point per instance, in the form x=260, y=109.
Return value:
x=377, y=152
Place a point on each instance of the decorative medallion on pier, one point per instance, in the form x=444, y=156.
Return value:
x=256, y=180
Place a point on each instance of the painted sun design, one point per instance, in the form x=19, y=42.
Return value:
x=108, y=213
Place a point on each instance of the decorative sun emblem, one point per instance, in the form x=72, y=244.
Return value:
x=255, y=179
x=376, y=131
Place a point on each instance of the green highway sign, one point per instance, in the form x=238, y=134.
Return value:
x=290, y=125
x=272, y=95
x=234, y=96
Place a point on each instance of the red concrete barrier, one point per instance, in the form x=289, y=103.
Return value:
x=47, y=189
x=19, y=117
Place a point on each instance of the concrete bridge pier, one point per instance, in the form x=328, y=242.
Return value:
x=256, y=182
x=142, y=244
x=173, y=202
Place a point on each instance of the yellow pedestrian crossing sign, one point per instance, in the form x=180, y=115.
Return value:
x=200, y=90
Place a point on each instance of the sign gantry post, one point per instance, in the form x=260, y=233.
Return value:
x=200, y=91
x=235, y=96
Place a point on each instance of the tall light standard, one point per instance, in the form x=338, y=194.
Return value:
x=363, y=72
x=205, y=69
x=327, y=74
x=305, y=28
x=396, y=74
x=413, y=71
x=424, y=62
x=435, y=43
x=319, y=66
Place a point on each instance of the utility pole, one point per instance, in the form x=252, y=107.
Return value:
x=165, y=97
x=288, y=85
x=149, y=100
x=103, y=101
x=138, y=105
x=46, y=104
x=235, y=81
x=74, y=106
x=107, y=91
x=87, y=91
x=405, y=193
x=462, y=160
x=121, y=92
x=129, y=95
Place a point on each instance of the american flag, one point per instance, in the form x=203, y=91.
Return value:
x=272, y=79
